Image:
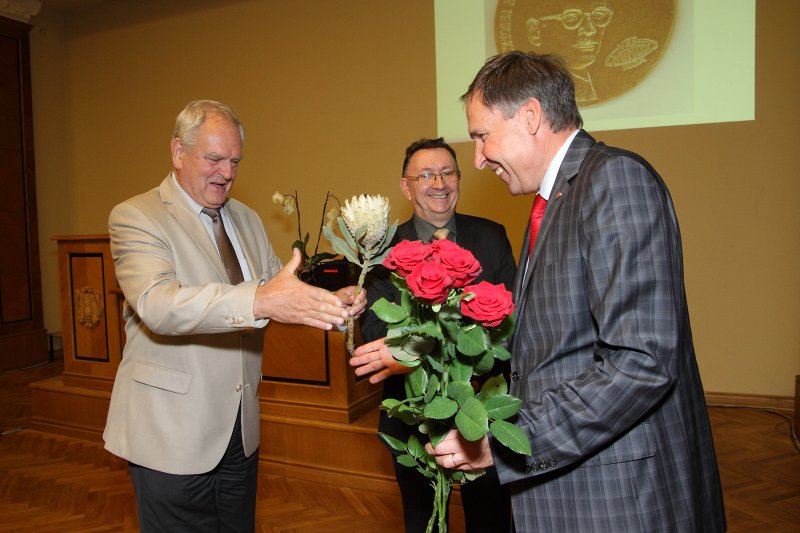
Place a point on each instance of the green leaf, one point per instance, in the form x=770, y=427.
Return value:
x=460, y=391
x=389, y=403
x=441, y=408
x=504, y=331
x=500, y=353
x=340, y=246
x=493, y=386
x=511, y=437
x=485, y=364
x=393, y=443
x=389, y=312
x=429, y=329
x=345, y=231
x=502, y=406
x=472, y=421
x=457, y=476
x=472, y=341
x=360, y=232
x=387, y=238
x=415, y=447
x=435, y=364
x=459, y=371
x=427, y=473
x=417, y=345
x=407, y=460
x=408, y=360
x=475, y=474
x=433, y=388
x=418, y=380
x=437, y=433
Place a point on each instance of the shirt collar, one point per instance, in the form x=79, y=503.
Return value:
x=425, y=229
x=195, y=207
x=552, y=170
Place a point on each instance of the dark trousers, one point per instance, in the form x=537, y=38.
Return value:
x=222, y=500
x=487, y=504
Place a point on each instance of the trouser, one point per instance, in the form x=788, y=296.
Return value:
x=222, y=500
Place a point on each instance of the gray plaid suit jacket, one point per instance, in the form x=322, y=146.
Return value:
x=604, y=361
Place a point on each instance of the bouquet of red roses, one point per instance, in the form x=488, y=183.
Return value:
x=449, y=331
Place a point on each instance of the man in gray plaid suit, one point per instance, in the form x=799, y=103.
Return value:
x=602, y=356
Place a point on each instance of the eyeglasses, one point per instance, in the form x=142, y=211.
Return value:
x=571, y=19
x=428, y=178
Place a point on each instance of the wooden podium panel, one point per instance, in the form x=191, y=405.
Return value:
x=305, y=374
x=91, y=304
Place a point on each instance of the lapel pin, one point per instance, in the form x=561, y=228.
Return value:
x=558, y=195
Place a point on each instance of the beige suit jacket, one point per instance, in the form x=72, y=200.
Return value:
x=193, y=349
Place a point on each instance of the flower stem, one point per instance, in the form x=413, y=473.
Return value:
x=350, y=321
x=322, y=222
x=441, y=488
x=297, y=208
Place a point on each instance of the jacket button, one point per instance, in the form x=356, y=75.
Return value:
x=239, y=387
x=515, y=375
x=551, y=463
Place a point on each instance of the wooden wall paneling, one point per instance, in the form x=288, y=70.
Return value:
x=23, y=339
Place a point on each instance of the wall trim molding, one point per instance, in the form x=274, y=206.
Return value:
x=759, y=401
x=21, y=10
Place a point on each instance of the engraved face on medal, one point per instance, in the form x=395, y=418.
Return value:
x=609, y=46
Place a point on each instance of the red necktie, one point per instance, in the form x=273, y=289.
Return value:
x=537, y=213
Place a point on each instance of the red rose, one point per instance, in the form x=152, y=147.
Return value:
x=460, y=263
x=405, y=255
x=489, y=305
x=430, y=282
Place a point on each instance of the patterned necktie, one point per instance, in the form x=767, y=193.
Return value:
x=441, y=233
x=226, y=251
x=537, y=214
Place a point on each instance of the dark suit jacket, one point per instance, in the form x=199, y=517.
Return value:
x=604, y=362
x=488, y=242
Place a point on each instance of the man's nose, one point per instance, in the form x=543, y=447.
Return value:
x=227, y=169
x=480, y=160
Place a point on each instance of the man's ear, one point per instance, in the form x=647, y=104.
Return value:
x=404, y=186
x=177, y=153
x=531, y=114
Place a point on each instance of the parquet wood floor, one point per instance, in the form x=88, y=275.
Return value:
x=55, y=484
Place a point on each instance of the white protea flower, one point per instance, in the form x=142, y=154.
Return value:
x=367, y=210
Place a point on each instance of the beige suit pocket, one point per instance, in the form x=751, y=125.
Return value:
x=162, y=377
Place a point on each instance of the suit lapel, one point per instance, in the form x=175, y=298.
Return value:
x=191, y=223
x=568, y=170
x=245, y=239
x=406, y=232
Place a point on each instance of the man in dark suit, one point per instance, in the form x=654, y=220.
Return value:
x=602, y=356
x=430, y=180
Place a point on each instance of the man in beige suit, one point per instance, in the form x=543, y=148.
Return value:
x=184, y=409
